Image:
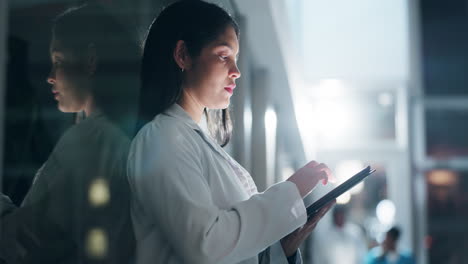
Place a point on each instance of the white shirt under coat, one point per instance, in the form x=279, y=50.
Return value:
x=189, y=205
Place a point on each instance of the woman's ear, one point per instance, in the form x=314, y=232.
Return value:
x=91, y=60
x=181, y=56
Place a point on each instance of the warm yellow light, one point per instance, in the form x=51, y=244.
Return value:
x=442, y=177
x=99, y=194
x=96, y=243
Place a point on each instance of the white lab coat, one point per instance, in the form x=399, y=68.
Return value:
x=188, y=205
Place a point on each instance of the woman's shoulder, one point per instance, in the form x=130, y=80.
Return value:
x=163, y=125
x=166, y=131
x=93, y=130
x=89, y=142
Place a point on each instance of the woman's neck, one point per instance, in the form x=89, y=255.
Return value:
x=90, y=107
x=193, y=108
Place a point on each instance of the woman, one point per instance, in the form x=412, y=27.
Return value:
x=191, y=202
x=77, y=210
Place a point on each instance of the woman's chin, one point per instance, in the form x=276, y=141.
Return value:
x=219, y=106
x=225, y=104
x=62, y=109
x=65, y=109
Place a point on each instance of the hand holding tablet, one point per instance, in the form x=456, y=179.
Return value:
x=307, y=177
x=339, y=190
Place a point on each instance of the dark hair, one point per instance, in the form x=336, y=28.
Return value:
x=116, y=79
x=197, y=23
x=394, y=232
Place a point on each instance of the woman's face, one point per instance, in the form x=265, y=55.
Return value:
x=211, y=79
x=70, y=83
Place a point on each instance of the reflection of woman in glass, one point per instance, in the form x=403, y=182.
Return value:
x=191, y=202
x=77, y=210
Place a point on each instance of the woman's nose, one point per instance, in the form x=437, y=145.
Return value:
x=235, y=72
x=50, y=80
x=51, y=77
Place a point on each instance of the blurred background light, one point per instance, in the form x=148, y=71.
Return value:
x=343, y=171
x=99, y=193
x=96, y=243
x=329, y=88
x=363, y=39
x=347, y=168
x=248, y=119
x=287, y=172
x=333, y=118
x=270, y=120
x=344, y=198
x=442, y=178
x=385, y=99
x=385, y=212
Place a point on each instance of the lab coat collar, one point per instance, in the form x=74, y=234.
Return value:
x=178, y=112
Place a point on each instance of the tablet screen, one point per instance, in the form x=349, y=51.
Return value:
x=339, y=190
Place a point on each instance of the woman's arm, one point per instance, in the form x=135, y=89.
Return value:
x=169, y=179
x=26, y=233
x=57, y=216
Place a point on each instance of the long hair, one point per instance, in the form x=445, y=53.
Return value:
x=197, y=23
x=116, y=79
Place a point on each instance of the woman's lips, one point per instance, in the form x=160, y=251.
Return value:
x=56, y=94
x=230, y=88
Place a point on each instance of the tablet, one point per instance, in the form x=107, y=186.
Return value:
x=339, y=190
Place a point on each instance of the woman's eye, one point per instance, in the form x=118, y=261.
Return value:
x=223, y=57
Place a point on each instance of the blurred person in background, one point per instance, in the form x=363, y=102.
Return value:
x=342, y=242
x=77, y=209
x=388, y=252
